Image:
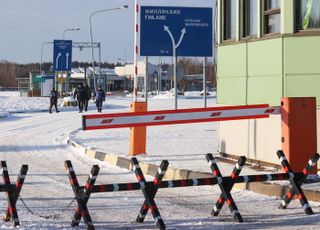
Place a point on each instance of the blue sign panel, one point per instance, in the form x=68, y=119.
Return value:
x=62, y=55
x=187, y=29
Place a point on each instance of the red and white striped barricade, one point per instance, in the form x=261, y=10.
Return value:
x=149, y=189
x=12, y=192
x=181, y=116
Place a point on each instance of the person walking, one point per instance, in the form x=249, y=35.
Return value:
x=87, y=96
x=100, y=97
x=79, y=93
x=53, y=100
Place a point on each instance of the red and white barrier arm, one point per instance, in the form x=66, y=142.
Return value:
x=182, y=116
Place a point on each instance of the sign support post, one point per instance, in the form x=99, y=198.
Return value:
x=159, y=76
x=146, y=80
x=175, y=79
x=205, y=81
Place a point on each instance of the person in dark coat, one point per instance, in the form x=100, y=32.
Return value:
x=53, y=100
x=100, y=97
x=87, y=96
x=80, y=94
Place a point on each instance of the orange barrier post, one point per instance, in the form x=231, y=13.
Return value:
x=138, y=135
x=299, y=130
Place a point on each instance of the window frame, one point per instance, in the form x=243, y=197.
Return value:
x=244, y=22
x=227, y=23
x=266, y=14
x=297, y=18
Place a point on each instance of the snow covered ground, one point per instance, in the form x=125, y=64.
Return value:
x=39, y=140
x=9, y=102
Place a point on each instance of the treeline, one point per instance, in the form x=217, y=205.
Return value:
x=9, y=72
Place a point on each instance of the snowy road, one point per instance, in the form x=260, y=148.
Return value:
x=39, y=140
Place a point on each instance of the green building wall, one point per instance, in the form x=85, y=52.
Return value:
x=264, y=69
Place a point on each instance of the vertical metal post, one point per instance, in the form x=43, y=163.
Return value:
x=100, y=64
x=159, y=76
x=175, y=79
x=55, y=81
x=41, y=59
x=136, y=51
x=146, y=80
x=92, y=53
x=205, y=81
x=42, y=46
x=68, y=82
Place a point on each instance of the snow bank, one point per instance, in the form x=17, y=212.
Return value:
x=10, y=101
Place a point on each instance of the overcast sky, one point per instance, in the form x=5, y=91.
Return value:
x=26, y=24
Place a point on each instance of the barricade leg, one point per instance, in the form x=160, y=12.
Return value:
x=297, y=182
x=19, y=184
x=226, y=187
x=149, y=193
x=82, y=197
x=156, y=182
x=235, y=173
x=10, y=195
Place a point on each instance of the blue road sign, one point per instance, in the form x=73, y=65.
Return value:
x=62, y=55
x=188, y=29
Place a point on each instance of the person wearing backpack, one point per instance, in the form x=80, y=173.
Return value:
x=100, y=97
x=53, y=100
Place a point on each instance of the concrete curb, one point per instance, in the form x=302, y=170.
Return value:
x=173, y=173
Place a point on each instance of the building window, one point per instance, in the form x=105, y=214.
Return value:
x=308, y=14
x=250, y=18
x=230, y=19
x=272, y=17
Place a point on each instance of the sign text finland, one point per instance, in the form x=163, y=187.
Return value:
x=188, y=30
x=62, y=55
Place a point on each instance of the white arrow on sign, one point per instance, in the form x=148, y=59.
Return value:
x=166, y=28
x=183, y=32
x=57, y=60
x=67, y=60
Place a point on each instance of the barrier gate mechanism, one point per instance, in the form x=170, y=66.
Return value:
x=298, y=123
x=182, y=116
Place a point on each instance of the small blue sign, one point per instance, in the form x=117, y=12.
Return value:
x=62, y=55
x=187, y=29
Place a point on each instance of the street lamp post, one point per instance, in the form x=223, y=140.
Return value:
x=70, y=29
x=67, y=77
x=44, y=43
x=91, y=38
